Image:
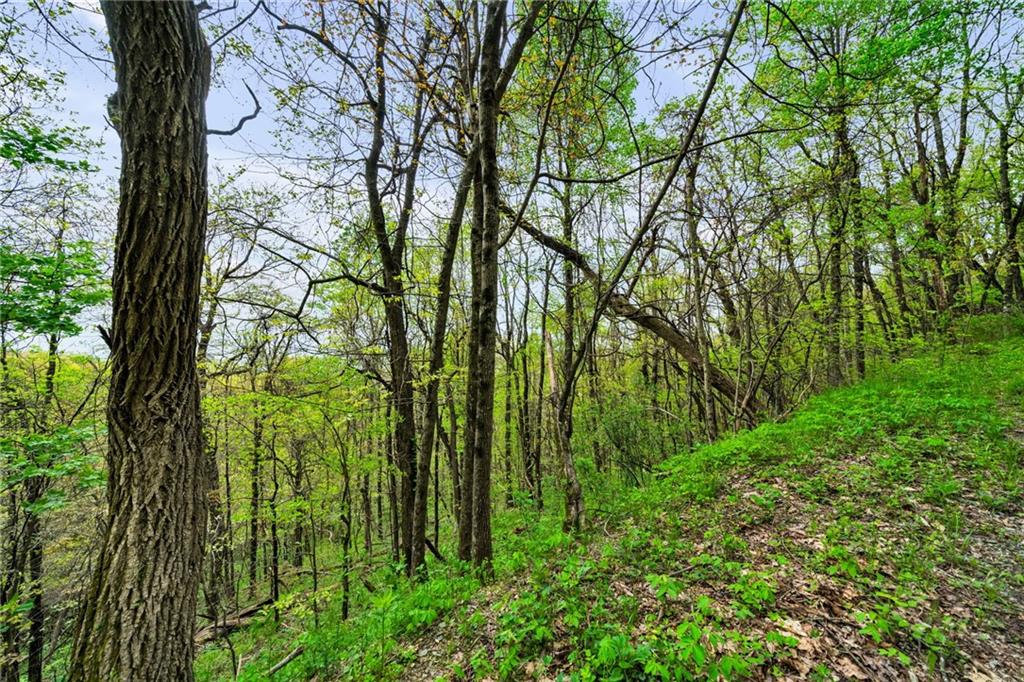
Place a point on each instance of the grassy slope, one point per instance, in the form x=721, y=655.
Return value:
x=876, y=532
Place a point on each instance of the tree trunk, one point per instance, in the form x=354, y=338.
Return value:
x=537, y=437
x=364, y=490
x=138, y=619
x=35, y=489
x=254, y=499
x=837, y=244
x=1010, y=217
x=509, y=370
x=920, y=187
x=391, y=255
x=573, y=519
x=36, y=614
x=468, y=463
x=432, y=407
x=275, y=545
x=487, y=271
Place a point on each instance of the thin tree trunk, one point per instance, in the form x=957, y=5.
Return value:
x=256, y=486
x=573, y=519
x=367, y=515
x=509, y=500
x=538, y=423
x=35, y=489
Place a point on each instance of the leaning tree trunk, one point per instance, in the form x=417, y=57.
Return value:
x=139, y=614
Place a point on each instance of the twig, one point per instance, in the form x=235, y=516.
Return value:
x=242, y=121
x=296, y=652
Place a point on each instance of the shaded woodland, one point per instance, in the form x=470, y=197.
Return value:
x=471, y=262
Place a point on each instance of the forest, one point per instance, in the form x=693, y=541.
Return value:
x=539, y=340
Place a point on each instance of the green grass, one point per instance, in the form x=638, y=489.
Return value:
x=876, y=530
x=375, y=642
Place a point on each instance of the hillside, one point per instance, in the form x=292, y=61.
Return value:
x=511, y=340
x=874, y=534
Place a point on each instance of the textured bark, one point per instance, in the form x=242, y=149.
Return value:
x=466, y=466
x=138, y=617
x=487, y=291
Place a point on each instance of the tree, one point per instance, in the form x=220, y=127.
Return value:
x=43, y=294
x=138, y=618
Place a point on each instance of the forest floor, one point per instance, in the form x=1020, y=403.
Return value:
x=876, y=534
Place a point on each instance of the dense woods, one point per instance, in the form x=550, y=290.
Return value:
x=451, y=271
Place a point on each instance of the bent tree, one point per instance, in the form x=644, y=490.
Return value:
x=138, y=617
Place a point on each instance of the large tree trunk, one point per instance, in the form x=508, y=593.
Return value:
x=487, y=271
x=138, y=618
x=466, y=466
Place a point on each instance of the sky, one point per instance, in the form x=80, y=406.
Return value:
x=91, y=81
x=76, y=45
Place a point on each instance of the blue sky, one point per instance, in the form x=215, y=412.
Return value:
x=90, y=81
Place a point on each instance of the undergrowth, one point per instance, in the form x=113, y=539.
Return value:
x=868, y=534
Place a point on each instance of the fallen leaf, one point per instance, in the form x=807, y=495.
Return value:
x=850, y=669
